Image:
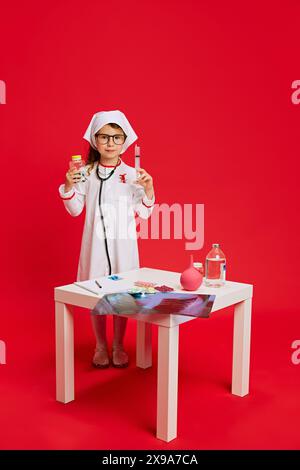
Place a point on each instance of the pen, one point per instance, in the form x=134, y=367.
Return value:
x=98, y=284
x=86, y=288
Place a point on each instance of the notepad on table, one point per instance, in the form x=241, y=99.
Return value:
x=109, y=286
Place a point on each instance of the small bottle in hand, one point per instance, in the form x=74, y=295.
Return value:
x=78, y=163
x=76, y=173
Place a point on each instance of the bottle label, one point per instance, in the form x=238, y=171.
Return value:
x=223, y=271
x=79, y=167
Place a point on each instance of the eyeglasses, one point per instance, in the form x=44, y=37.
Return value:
x=118, y=139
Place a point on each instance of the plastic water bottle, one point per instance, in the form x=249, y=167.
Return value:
x=215, y=267
x=77, y=163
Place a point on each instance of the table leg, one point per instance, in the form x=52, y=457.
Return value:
x=64, y=352
x=143, y=345
x=167, y=383
x=241, y=348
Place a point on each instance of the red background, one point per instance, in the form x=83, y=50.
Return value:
x=207, y=88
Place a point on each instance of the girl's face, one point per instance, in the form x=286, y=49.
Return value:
x=109, y=147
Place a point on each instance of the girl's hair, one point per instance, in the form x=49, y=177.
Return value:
x=93, y=154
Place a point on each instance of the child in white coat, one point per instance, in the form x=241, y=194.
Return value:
x=112, y=195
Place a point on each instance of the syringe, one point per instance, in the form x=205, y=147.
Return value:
x=137, y=159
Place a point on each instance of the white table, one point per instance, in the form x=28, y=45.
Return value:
x=233, y=293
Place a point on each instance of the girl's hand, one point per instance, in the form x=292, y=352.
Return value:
x=72, y=176
x=144, y=179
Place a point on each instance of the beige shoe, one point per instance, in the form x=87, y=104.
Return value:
x=101, y=358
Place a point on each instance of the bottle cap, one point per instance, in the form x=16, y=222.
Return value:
x=216, y=245
x=76, y=157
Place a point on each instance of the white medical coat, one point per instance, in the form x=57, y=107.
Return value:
x=120, y=200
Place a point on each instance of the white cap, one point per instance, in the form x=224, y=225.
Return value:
x=105, y=117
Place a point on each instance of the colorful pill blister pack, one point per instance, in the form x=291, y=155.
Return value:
x=142, y=287
x=148, y=288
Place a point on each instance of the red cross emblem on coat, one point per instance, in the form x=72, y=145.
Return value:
x=122, y=178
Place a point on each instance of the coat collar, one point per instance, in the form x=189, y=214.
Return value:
x=111, y=166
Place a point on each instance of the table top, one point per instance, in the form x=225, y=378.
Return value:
x=229, y=294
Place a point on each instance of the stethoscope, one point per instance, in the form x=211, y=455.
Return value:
x=100, y=208
x=110, y=174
